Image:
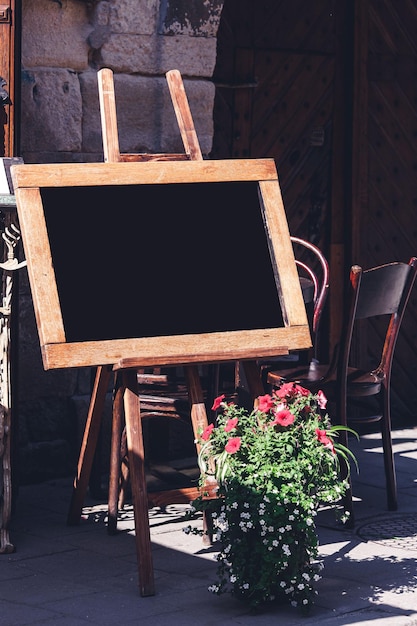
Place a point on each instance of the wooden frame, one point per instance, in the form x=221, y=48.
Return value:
x=57, y=352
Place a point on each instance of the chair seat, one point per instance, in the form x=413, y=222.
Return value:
x=311, y=375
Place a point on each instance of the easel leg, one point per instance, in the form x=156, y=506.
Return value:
x=89, y=444
x=199, y=422
x=138, y=482
x=253, y=378
x=195, y=394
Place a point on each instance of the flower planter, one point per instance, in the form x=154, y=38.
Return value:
x=263, y=476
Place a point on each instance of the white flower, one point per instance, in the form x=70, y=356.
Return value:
x=305, y=601
x=306, y=576
x=291, y=518
x=281, y=530
x=233, y=579
x=309, y=521
x=275, y=543
x=300, y=586
x=270, y=529
x=245, y=586
x=234, y=505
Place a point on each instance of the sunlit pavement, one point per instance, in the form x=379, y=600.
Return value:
x=68, y=576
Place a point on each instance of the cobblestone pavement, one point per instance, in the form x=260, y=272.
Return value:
x=70, y=576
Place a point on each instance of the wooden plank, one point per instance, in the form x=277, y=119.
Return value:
x=89, y=443
x=209, y=348
x=39, y=263
x=138, y=481
x=108, y=115
x=154, y=172
x=183, y=115
x=289, y=287
x=9, y=70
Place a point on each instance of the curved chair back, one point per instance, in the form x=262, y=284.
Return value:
x=317, y=270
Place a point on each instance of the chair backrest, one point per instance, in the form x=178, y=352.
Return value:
x=382, y=290
x=311, y=261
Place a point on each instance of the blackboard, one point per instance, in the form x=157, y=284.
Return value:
x=160, y=259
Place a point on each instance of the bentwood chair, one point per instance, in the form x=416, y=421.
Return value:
x=314, y=273
x=312, y=263
x=363, y=394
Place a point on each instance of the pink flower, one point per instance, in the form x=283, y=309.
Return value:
x=265, y=403
x=325, y=440
x=283, y=418
x=233, y=445
x=285, y=390
x=217, y=402
x=321, y=399
x=231, y=424
x=301, y=390
x=291, y=389
x=205, y=435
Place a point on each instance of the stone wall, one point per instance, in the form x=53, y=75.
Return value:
x=64, y=43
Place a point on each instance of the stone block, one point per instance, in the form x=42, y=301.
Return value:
x=55, y=34
x=51, y=111
x=129, y=16
x=34, y=381
x=130, y=53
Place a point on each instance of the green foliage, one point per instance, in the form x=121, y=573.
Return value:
x=274, y=466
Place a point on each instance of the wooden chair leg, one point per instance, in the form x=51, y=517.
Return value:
x=124, y=472
x=138, y=482
x=345, y=475
x=115, y=457
x=390, y=476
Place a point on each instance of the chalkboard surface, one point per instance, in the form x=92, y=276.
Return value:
x=173, y=262
x=149, y=260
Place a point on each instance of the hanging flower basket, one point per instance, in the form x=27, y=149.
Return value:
x=273, y=467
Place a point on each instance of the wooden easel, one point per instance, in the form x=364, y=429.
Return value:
x=126, y=399
x=125, y=338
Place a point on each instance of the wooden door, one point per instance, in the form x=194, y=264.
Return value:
x=384, y=165
x=329, y=90
x=9, y=53
x=280, y=93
